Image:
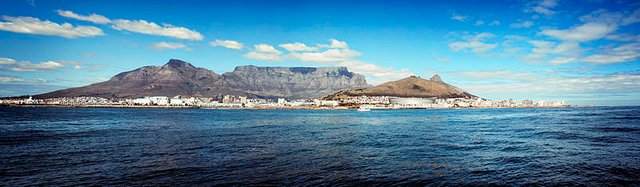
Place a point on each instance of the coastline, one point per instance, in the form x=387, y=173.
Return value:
x=252, y=108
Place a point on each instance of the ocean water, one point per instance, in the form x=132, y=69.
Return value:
x=95, y=146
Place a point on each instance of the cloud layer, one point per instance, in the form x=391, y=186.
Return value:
x=476, y=43
x=30, y=25
x=14, y=79
x=168, y=45
x=336, y=53
x=264, y=52
x=227, y=44
x=151, y=28
x=7, y=64
x=137, y=26
x=95, y=18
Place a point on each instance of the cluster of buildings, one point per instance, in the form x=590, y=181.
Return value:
x=70, y=101
x=387, y=102
x=226, y=101
x=230, y=101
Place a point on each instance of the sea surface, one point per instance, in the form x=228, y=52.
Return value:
x=120, y=147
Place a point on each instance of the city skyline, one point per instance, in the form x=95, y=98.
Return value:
x=583, y=52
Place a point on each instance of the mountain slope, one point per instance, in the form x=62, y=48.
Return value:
x=408, y=87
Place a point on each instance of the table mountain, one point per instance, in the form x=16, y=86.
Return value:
x=408, y=87
x=293, y=82
x=181, y=78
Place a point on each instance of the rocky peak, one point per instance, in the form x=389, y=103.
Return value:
x=178, y=64
x=436, y=78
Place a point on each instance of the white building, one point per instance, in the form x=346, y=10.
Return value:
x=330, y=103
x=142, y=101
x=282, y=102
x=160, y=100
x=176, y=102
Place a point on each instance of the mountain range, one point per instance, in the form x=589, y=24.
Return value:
x=177, y=77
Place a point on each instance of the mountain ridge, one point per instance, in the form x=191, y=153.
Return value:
x=178, y=77
x=411, y=86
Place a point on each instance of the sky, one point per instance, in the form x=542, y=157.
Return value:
x=578, y=51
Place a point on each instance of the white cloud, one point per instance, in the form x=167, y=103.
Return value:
x=33, y=67
x=623, y=37
x=84, y=66
x=7, y=64
x=330, y=55
x=263, y=56
x=479, y=22
x=596, y=25
x=553, y=53
x=14, y=79
x=336, y=53
x=168, y=45
x=624, y=53
x=264, y=48
x=544, y=7
x=375, y=74
x=583, y=33
x=297, y=46
x=494, y=22
x=7, y=61
x=30, y=25
x=227, y=44
x=339, y=54
x=524, y=24
x=460, y=18
x=474, y=44
x=138, y=26
x=557, y=85
x=95, y=18
x=602, y=16
x=633, y=18
x=562, y=60
x=264, y=52
x=335, y=44
x=502, y=84
x=145, y=27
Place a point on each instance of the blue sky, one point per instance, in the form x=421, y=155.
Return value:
x=582, y=51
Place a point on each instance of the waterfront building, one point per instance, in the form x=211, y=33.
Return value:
x=330, y=103
x=142, y=101
x=228, y=99
x=160, y=100
x=527, y=103
x=177, y=102
x=410, y=102
x=282, y=102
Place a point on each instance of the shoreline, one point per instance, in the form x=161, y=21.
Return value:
x=255, y=108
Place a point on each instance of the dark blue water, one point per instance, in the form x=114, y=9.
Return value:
x=83, y=146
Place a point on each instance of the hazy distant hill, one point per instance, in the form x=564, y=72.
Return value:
x=181, y=78
x=408, y=87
